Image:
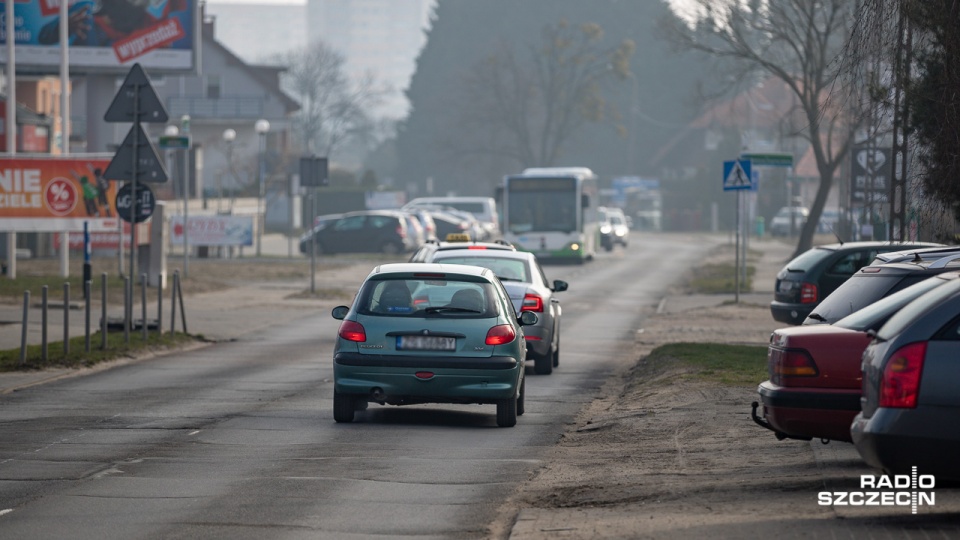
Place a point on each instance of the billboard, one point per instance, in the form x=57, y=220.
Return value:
x=105, y=35
x=52, y=194
x=212, y=230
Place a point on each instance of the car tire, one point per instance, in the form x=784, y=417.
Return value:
x=343, y=407
x=507, y=412
x=520, y=400
x=543, y=365
x=390, y=248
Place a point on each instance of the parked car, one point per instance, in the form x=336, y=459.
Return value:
x=810, y=277
x=456, y=242
x=872, y=283
x=483, y=209
x=414, y=228
x=910, y=404
x=455, y=222
x=426, y=221
x=614, y=229
x=319, y=222
x=430, y=333
x=916, y=254
x=781, y=224
x=364, y=231
x=815, y=379
x=529, y=290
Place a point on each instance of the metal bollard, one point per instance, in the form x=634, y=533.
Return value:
x=86, y=307
x=103, y=311
x=23, y=330
x=43, y=324
x=66, y=319
x=173, y=302
x=183, y=307
x=159, y=309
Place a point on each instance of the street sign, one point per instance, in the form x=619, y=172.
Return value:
x=313, y=172
x=136, y=92
x=149, y=166
x=174, y=142
x=871, y=171
x=737, y=175
x=769, y=159
x=144, y=207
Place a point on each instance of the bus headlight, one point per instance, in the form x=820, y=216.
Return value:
x=575, y=246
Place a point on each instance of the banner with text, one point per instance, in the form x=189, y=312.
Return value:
x=212, y=230
x=53, y=194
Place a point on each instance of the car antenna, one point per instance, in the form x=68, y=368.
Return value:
x=836, y=235
x=916, y=257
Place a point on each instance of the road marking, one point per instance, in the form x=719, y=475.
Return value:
x=5, y=512
x=193, y=432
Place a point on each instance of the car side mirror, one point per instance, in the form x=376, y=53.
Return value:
x=559, y=285
x=528, y=318
x=340, y=312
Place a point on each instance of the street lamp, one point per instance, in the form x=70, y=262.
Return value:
x=262, y=127
x=229, y=135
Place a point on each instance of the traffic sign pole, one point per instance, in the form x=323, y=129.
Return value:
x=128, y=323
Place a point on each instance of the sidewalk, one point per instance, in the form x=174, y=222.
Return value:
x=217, y=316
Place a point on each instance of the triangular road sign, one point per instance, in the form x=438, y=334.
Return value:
x=150, y=168
x=136, y=85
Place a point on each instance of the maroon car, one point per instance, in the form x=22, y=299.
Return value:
x=815, y=376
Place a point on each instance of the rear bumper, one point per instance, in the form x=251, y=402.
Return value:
x=492, y=363
x=895, y=440
x=790, y=313
x=812, y=413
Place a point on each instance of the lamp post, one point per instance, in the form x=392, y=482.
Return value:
x=229, y=135
x=262, y=127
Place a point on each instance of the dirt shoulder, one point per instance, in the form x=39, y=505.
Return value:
x=661, y=455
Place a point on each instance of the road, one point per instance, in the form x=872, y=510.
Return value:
x=237, y=439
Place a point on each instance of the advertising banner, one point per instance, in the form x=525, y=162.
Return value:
x=105, y=34
x=56, y=194
x=213, y=230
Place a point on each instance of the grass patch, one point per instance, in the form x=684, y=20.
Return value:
x=718, y=278
x=78, y=357
x=734, y=365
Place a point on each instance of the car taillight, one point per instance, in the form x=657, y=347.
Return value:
x=790, y=363
x=532, y=302
x=500, y=334
x=808, y=293
x=401, y=232
x=900, y=383
x=352, y=331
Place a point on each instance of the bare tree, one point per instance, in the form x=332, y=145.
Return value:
x=799, y=42
x=526, y=107
x=334, y=109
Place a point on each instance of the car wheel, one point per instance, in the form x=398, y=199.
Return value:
x=543, y=365
x=507, y=412
x=556, y=356
x=343, y=407
x=390, y=248
x=520, y=400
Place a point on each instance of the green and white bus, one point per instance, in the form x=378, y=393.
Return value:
x=552, y=212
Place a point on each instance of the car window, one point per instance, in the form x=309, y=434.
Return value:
x=808, y=259
x=856, y=293
x=507, y=269
x=379, y=222
x=879, y=311
x=850, y=263
x=950, y=332
x=351, y=223
x=903, y=318
x=427, y=297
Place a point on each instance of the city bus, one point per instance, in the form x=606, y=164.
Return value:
x=552, y=212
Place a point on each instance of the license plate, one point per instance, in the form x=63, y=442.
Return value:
x=426, y=343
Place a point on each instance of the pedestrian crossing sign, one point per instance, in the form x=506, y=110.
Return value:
x=737, y=175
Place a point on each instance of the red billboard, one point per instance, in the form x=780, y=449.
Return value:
x=53, y=194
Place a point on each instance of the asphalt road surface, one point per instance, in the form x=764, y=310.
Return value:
x=237, y=439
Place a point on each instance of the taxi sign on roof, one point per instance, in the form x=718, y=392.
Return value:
x=458, y=237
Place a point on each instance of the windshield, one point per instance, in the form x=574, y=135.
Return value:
x=542, y=204
x=878, y=312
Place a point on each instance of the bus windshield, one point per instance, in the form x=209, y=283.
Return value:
x=542, y=204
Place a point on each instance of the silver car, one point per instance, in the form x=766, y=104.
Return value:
x=529, y=290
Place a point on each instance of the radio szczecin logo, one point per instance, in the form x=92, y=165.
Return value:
x=911, y=490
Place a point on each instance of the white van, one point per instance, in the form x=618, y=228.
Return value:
x=483, y=208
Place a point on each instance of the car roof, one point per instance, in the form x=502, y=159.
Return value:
x=840, y=246
x=497, y=253
x=409, y=269
x=915, y=254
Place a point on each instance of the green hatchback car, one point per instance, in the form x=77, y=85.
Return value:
x=430, y=333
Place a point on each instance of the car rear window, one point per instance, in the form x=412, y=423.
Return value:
x=507, y=269
x=857, y=292
x=905, y=317
x=808, y=259
x=427, y=297
x=879, y=311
